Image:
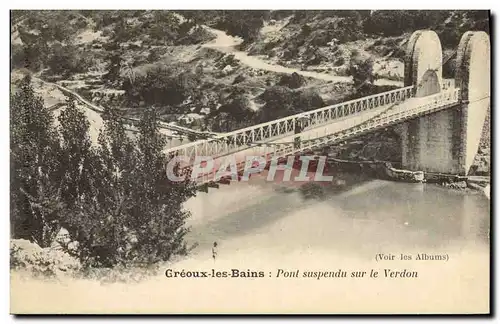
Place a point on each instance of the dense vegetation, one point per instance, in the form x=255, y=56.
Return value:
x=315, y=37
x=48, y=38
x=134, y=51
x=348, y=25
x=114, y=198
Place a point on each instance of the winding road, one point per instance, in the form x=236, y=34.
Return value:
x=227, y=44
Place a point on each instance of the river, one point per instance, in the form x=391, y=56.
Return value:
x=372, y=216
x=260, y=228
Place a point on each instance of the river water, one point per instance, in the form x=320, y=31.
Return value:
x=261, y=228
x=371, y=216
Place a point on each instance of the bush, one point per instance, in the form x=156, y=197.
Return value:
x=292, y=81
x=339, y=61
x=278, y=103
x=235, y=113
x=67, y=59
x=238, y=108
x=282, y=101
x=17, y=57
x=361, y=69
x=312, y=190
x=162, y=85
x=114, y=199
x=38, y=262
x=308, y=99
x=243, y=23
x=195, y=35
x=239, y=78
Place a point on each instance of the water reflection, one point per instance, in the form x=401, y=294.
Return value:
x=368, y=217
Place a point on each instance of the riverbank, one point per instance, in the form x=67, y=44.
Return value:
x=386, y=171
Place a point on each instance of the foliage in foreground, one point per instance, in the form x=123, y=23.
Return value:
x=114, y=198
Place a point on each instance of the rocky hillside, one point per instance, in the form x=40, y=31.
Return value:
x=324, y=40
x=135, y=59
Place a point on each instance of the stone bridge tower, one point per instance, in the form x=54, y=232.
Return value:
x=446, y=141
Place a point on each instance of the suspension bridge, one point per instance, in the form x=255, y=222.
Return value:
x=439, y=120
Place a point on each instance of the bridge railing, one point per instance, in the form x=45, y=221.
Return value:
x=231, y=142
x=321, y=137
x=345, y=109
x=430, y=104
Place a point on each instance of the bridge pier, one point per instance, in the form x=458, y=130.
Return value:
x=446, y=141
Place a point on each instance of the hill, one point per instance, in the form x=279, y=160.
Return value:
x=223, y=70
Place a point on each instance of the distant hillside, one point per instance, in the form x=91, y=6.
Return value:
x=133, y=59
x=137, y=58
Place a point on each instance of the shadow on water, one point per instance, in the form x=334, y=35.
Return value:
x=272, y=205
x=357, y=212
x=247, y=219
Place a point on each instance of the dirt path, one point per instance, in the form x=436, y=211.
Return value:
x=227, y=44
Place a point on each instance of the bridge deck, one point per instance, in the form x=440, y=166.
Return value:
x=323, y=126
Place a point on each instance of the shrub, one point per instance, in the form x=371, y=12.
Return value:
x=67, y=59
x=361, y=69
x=114, y=199
x=282, y=101
x=239, y=78
x=293, y=81
x=308, y=100
x=243, y=23
x=339, y=61
x=312, y=190
x=38, y=262
x=162, y=85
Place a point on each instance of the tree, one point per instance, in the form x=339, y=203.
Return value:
x=99, y=221
x=67, y=59
x=158, y=214
x=243, y=23
x=281, y=102
x=278, y=103
x=235, y=113
x=164, y=27
x=114, y=61
x=292, y=81
x=132, y=213
x=76, y=153
x=307, y=100
x=34, y=51
x=361, y=69
x=162, y=85
x=36, y=204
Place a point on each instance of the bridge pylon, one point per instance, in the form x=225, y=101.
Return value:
x=446, y=141
x=472, y=76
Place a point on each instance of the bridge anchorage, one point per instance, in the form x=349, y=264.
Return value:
x=440, y=120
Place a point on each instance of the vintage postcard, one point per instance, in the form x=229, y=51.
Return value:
x=250, y=162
